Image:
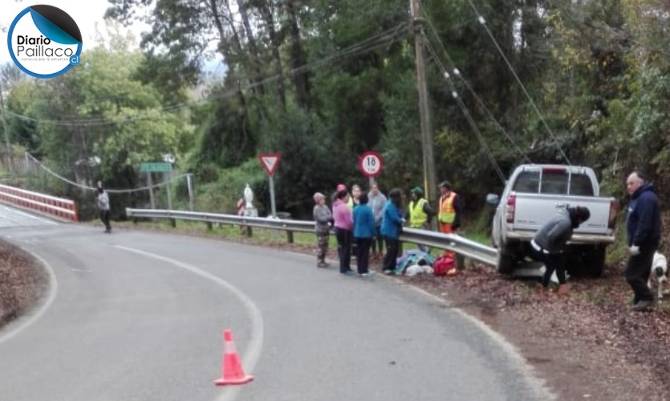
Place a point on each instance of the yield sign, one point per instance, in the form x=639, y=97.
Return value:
x=270, y=162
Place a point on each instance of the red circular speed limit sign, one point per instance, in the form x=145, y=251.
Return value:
x=371, y=164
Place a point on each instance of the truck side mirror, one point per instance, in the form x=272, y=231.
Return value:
x=492, y=200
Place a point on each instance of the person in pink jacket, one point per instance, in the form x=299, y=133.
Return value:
x=344, y=225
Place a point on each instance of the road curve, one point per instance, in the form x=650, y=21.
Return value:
x=138, y=316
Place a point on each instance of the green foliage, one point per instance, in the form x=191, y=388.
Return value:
x=222, y=195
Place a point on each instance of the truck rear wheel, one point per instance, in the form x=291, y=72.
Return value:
x=586, y=260
x=594, y=261
x=506, y=261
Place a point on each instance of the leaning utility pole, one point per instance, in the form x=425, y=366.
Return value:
x=429, y=180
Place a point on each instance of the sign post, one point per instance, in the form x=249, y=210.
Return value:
x=155, y=167
x=270, y=162
x=371, y=165
x=189, y=186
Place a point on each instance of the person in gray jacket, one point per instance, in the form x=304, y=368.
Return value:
x=103, y=206
x=377, y=201
x=550, y=240
x=323, y=218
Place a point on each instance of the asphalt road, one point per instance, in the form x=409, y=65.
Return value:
x=139, y=316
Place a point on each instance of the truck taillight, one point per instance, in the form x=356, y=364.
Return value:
x=614, y=209
x=511, y=206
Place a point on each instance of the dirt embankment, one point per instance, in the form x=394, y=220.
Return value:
x=22, y=282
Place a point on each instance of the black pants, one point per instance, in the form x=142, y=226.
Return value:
x=363, y=256
x=637, y=273
x=344, y=238
x=104, y=216
x=552, y=262
x=391, y=256
x=378, y=241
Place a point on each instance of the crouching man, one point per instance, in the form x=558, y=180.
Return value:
x=549, y=242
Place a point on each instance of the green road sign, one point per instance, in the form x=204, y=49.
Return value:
x=155, y=167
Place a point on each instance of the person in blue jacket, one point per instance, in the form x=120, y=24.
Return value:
x=643, y=224
x=364, y=231
x=392, y=222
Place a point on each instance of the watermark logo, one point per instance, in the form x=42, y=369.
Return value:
x=44, y=41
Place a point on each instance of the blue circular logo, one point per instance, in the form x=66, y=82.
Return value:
x=44, y=41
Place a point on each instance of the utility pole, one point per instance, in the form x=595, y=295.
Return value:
x=429, y=180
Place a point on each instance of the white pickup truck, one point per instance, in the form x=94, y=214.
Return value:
x=530, y=199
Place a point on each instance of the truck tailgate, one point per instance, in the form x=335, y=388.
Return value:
x=533, y=210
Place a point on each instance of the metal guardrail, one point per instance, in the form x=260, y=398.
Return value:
x=452, y=242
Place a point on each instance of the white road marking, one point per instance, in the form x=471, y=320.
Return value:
x=26, y=321
x=253, y=351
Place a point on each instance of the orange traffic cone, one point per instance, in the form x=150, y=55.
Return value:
x=231, y=368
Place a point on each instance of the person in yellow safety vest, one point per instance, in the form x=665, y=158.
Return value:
x=420, y=213
x=449, y=214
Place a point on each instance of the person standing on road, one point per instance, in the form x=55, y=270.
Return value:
x=354, y=200
x=377, y=201
x=392, y=222
x=323, y=218
x=103, y=206
x=343, y=225
x=643, y=224
x=364, y=231
x=420, y=213
x=549, y=242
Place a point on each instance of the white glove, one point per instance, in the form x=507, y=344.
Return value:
x=634, y=250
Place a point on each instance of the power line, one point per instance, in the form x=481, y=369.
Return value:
x=370, y=44
x=114, y=191
x=474, y=94
x=466, y=113
x=482, y=22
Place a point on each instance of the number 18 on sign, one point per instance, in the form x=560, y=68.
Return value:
x=370, y=164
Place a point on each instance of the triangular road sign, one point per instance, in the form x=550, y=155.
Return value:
x=270, y=162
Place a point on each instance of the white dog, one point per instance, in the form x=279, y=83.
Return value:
x=659, y=274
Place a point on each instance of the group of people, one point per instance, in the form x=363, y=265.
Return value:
x=364, y=221
x=370, y=221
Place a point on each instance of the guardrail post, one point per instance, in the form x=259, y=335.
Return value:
x=249, y=232
x=289, y=236
x=210, y=226
x=173, y=223
x=460, y=262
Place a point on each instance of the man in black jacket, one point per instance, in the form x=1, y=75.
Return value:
x=549, y=242
x=643, y=224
